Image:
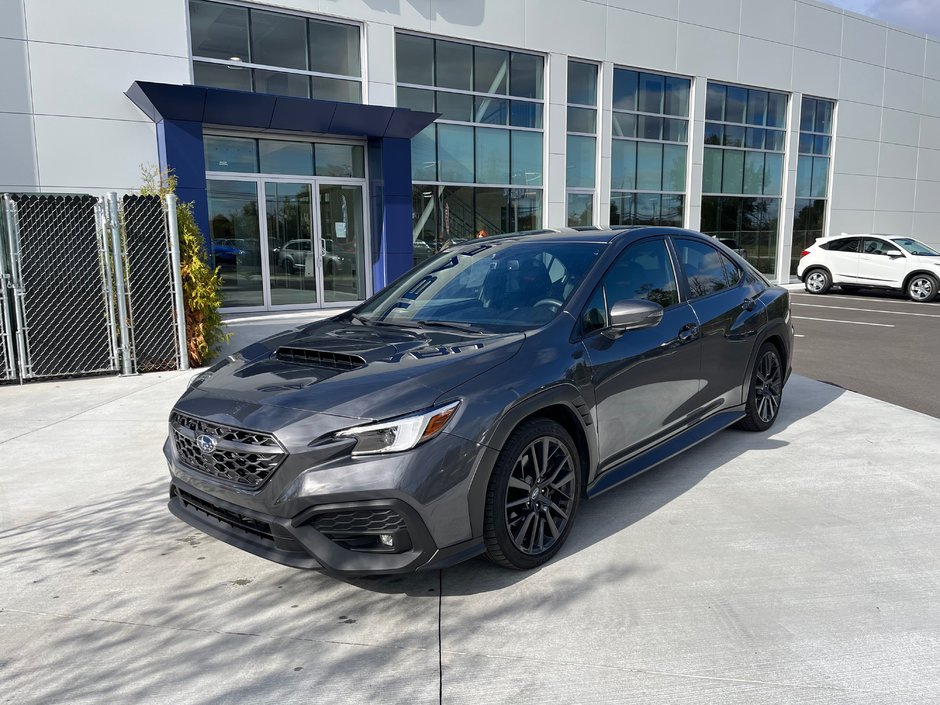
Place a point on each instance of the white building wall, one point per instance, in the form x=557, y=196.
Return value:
x=65, y=124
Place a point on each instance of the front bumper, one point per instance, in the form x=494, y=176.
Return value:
x=339, y=515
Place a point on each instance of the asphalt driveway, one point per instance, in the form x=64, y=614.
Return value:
x=794, y=566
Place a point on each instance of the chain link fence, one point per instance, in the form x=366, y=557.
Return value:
x=87, y=289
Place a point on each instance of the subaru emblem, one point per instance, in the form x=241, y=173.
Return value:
x=206, y=443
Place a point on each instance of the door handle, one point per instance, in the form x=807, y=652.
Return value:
x=688, y=333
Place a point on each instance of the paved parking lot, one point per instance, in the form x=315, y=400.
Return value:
x=875, y=343
x=795, y=566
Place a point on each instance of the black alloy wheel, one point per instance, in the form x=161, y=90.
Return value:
x=533, y=495
x=766, y=390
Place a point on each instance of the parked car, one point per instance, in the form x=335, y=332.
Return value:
x=855, y=262
x=471, y=406
x=292, y=257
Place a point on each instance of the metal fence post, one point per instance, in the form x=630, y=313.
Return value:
x=6, y=343
x=22, y=352
x=177, y=280
x=119, y=282
x=101, y=223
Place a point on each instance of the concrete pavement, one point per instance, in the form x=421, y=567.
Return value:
x=794, y=566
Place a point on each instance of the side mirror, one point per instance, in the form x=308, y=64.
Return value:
x=633, y=314
x=893, y=253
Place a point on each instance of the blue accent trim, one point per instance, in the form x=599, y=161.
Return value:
x=181, y=111
x=664, y=451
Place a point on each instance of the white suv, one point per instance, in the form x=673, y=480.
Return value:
x=878, y=261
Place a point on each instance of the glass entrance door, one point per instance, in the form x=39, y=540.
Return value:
x=341, y=242
x=293, y=264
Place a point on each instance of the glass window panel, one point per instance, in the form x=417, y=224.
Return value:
x=734, y=136
x=278, y=39
x=292, y=84
x=776, y=110
x=804, y=177
x=453, y=65
x=647, y=209
x=279, y=157
x=455, y=106
x=334, y=48
x=677, y=96
x=231, y=154
x=715, y=102
x=527, y=158
x=218, y=31
x=490, y=70
x=773, y=174
x=492, y=155
x=823, y=117
x=492, y=212
x=624, y=125
x=753, y=173
x=581, y=161
x=806, y=143
x=218, y=76
x=492, y=111
x=455, y=153
x=644, y=271
x=456, y=214
x=424, y=221
x=234, y=227
x=649, y=166
x=754, y=139
x=414, y=59
x=525, y=210
x=714, y=133
x=775, y=140
x=649, y=127
x=416, y=99
x=622, y=208
x=525, y=114
x=525, y=75
x=808, y=114
x=582, y=120
x=821, y=145
x=651, y=93
x=623, y=165
x=820, y=177
x=756, y=107
x=625, y=89
x=732, y=172
x=672, y=210
x=580, y=209
x=676, y=130
x=736, y=104
x=674, y=167
x=337, y=89
x=582, y=83
x=703, y=265
x=424, y=155
x=711, y=173
x=339, y=160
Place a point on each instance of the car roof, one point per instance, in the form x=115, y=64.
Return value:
x=594, y=234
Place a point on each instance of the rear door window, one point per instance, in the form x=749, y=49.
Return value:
x=705, y=268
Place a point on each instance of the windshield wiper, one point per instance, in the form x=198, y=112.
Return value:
x=466, y=327
x=362, y=319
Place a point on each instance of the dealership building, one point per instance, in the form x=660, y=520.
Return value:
x=327, y=145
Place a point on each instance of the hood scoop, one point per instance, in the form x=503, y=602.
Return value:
x=320, y=358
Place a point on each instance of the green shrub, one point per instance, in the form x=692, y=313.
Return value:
x=204, y=330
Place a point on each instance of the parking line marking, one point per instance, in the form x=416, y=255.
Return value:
x=854, y=323
x=872, y=310
x=857, y=298
x=797, y=335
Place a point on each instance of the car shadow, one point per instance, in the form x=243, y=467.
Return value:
x=631, y=502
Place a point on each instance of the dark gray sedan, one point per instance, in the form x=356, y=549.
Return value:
x=471, y=405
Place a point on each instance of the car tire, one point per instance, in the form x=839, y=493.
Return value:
x=287, y=264
x=765, y=390
x=922, y=288
x=533, y=496
x=817, y=281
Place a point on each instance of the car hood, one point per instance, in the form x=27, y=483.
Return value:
x=352, y=370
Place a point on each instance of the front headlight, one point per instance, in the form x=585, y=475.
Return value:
x=400, y=434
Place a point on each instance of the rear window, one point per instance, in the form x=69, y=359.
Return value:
x=848, y=244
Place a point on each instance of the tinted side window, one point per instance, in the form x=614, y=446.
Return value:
x=733, y=272
x=703, y=266
x=849, y=244
x=643, y=271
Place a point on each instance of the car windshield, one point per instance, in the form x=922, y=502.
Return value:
x=487, y=287
x=915, y=247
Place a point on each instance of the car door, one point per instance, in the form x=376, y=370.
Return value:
x=841, y=257
x=644, y=380
x=876, y=267
x=726, y=302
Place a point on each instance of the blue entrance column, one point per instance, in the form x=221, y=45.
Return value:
x=181, y=112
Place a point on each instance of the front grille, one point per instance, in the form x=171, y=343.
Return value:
x=245, y=458
x=359, y=521
x=320, y=358
x=261, y=529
